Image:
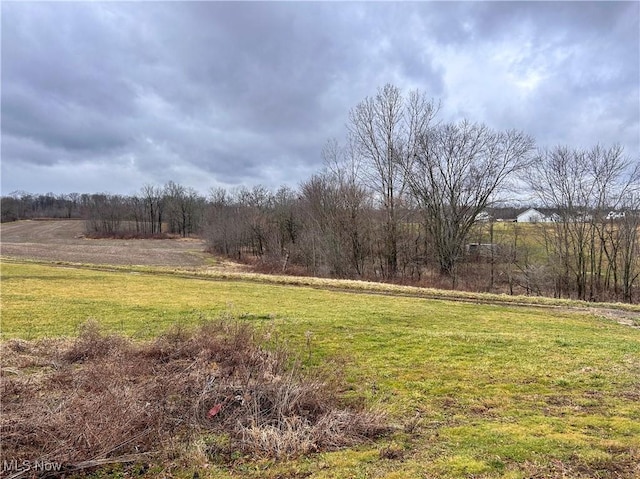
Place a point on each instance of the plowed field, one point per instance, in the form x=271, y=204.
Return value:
x=64, y=240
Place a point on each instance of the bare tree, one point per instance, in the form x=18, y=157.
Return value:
x=153, y=201
x=257, y=203
x=222, y=229
x=136, y=209
x=286, y=225
x=337, y=207
x=352, y=200
x=322, y=243
x=456, y=172
x=183, y=209
x=105, y=214
x=629, y=239
x=383, y=131
x=581, y=185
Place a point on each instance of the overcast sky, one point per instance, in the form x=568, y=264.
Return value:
x=107, y=97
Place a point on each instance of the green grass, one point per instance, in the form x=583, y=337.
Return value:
x=499, y=390
x=345, y=285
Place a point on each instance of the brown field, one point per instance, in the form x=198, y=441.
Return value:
x=64, y=240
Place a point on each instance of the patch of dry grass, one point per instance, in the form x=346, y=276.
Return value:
x=104, y=397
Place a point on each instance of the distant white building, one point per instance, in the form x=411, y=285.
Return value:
x=533, y=215
x=483, y=217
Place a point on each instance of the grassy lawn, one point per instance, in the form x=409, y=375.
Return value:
x=477, y=390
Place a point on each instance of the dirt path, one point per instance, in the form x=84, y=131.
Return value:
x=63, y=240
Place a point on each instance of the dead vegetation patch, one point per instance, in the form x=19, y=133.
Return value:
x=221, y=389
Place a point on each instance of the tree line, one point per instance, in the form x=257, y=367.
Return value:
x=154, y=211
x=400, y=200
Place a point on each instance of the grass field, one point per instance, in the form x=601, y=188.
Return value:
x=477, y=390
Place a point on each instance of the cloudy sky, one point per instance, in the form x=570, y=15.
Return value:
x=107, y=97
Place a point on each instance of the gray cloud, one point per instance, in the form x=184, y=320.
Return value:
x=110, y=96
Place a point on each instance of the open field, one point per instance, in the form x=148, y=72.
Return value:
x=64, y=240
x=476, y=390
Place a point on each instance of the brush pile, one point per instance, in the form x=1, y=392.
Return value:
x=102, y=397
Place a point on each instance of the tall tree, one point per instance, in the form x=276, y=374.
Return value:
x=383, y=131
x=455, y=173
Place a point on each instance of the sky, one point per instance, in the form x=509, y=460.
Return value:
x=110, y=96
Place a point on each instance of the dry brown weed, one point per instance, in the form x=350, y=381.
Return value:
x=102, y=397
